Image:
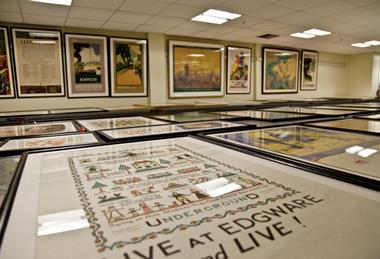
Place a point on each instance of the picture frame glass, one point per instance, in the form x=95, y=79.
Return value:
x=6, y=75
x=351, y=124
x=87, y=65
x=239, y=70
x=350, y=152
x=191, y=116
x=38, y=62
x=37, y=129
x=196, y=69
x=309, y=70
x=280, y=71
x=128, y=67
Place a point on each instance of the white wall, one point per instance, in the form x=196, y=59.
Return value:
x=360, y=75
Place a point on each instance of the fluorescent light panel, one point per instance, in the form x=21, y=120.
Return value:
x=373, y=42
x=208, y=19
x=317, y=32
x=221, y=14
x=215, y=16
x=302, y=35
x=360, y=45
x=57, y=2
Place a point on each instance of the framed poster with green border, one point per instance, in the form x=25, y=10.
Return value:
x=280, y=71
x=87, y=65
x=38, y=62
x=239, y=70
x=6, y=76
x=195, y=69
x=309, y=73
x=128, y=67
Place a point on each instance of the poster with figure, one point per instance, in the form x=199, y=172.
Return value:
x=239, y=70
x=349, y=152
x=87, y=65
x=128, y=67
x=309, y=70
x=280, y=71
x=195, y=69
x=172, y=198
x=6, y=78
x=38, y=62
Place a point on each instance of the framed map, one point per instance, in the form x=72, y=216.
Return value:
x=159, y=199
x=38, y=62
x=357, y=154
x=36, y=129
x=265, y=115
x=195, y=69
x=128, y=67
x=192, y=116
x=309, y=70
x=280, y=71
x=367, y=126
x=116, y=123
x=168, y=129
x=86, y=65
x=239, y=70
x=6, y=76
x=49, y=142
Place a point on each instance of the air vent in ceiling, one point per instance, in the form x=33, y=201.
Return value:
x=268, y=36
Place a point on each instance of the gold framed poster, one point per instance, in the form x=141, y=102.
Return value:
x=280, y=71
x=309, y=73
x=128, y=67
x=38, y=62
x=195, y=69
x=6, y=77
x=87, y=65
x=239, y=70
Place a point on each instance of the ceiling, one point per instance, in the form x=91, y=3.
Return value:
x=350, y=21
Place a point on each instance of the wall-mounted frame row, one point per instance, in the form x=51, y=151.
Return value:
x=39, y=65
x=281, y=71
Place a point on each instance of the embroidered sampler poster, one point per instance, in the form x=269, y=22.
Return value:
x=145, y=193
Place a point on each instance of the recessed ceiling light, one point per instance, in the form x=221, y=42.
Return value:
x=302, y=35
x=360, y=45
x=208, y=19
x=58, y=2
x=317, y=32
x=221, y=14
x=373, y=42
x=215, y=16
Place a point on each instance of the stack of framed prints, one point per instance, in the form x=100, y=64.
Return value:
x=181, y=197
x=195, y=69
x=18, y=145
x=170, y=130
x=370, y=117
x=192, y=117
x=86, y=65
x=116, y=123
x=6, y=76
x=266, y=115
x=37, y=129
x=356, y=125
x=38, y=62
x=280, y=71
x=360, y=105
x=316, y=111
x=352, y=157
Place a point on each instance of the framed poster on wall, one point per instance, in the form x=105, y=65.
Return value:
x=38, y=62
x=86, y=61
x=195, y=69
x=309, y=70
x=239, y=70
x=128, y=67
x=6, y=79
x=280, y=71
